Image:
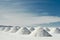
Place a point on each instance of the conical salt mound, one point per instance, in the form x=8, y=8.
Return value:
x=2, y=28
x=40, y=32
x=32, y=29
x=47, y=29
x=14, y=29
x=56, y=30
x=7, y=29
x=24, y=31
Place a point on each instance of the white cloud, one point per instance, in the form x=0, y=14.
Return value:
x=13, y=14
x=15, y=17
x=26, y=19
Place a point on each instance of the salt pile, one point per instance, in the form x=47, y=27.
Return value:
x=32, y=29
x=55, y=30
x=14, y=29
x=47, y=29
x=40, y=32
x=2, y=28
x=24, y=31
x=7, y=29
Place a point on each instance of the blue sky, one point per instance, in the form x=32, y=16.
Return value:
x=38, y=7
x=29, y=10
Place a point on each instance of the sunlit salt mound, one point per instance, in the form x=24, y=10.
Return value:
x=47, y=29
x=15, y=29
x=40, y=32
x=24, y=31
x=32, y=29
x=55, y=30
x=2, y=28
x=7, y=28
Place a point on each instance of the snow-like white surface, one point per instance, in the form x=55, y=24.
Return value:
x=16, y=36
x=10, y=36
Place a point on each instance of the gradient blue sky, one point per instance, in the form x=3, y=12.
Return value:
x=39, y=7
x=15, y=10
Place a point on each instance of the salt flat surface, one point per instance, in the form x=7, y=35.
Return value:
x=16, y=36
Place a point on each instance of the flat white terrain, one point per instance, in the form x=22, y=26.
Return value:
x=16, y=36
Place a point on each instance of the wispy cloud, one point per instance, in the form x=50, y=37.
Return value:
x=20, y=12
x=27, y=19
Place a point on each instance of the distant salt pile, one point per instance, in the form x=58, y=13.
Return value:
x=55, y=30
x=24, y=31
x=8, y=28
x=40, y=32
x=47, y=29
x=2, y=27
x=32, y=29
x=14, y=29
